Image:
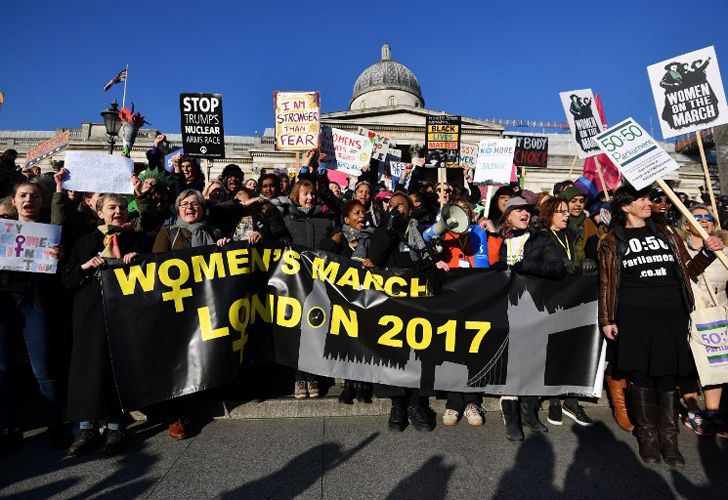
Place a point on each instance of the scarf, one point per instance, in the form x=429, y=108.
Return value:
x=362, y=239
x=111, y=242
x=200, y=237
x=415, y=242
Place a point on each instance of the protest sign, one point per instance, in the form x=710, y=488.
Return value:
x=640, y=159
x=688, y=92
x=531, y=151
x=468, y=155
x=168, y=165
x=323, y=314
x=583, y=117
x=495, y=161
x=397, y=168
x=48, y=148
x=393, y=154
x=98, y=173
x=297, y=117
x=380, y=143
x=25, y=246
x=346, y=152
x=442, y=141
x=203, y=135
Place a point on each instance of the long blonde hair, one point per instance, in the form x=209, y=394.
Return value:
x=683, y=226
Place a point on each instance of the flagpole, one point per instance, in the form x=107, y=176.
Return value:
x=126, y=78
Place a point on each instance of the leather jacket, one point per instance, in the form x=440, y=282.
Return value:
x=613, y=247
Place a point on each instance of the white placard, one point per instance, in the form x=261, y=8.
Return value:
x=688, y=91
x=583, y=117
x=98, y=173
x=637, y=155
x=495, y=161
x=25, y=246
x=380, y=143
x=346, y=152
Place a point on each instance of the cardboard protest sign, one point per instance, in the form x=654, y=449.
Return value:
x=583, y=118
x=468, y=155
x=346, y=152
x=380, y=143
x=25, y=246
x=393, y=154
x=688, y=92
x=203, y=135
x=297, y=117
x=495, y=161
x=640, y=159
x=442, y=140
x=48, y=148
x=397, y=168
x=98, y=173
x=531, y=151
x=168, y=165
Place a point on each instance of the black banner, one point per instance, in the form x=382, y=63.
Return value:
x=203, y=135
x=442, y=141
x=531, y=151
x=182, y=322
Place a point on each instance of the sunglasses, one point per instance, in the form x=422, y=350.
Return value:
x=706, y=217
x=448, y=191
x=661, y=200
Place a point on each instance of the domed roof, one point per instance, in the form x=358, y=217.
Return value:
x=387, y=74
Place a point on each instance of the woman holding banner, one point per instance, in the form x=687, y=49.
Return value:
x=709, y=291
x=645, y=298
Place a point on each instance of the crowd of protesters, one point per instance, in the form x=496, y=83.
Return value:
x=643, y=313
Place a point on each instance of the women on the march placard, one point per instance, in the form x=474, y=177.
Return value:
x=645, y=298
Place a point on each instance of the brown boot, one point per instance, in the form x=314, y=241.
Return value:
x=617, y=389
x=667, y=428
x=644, y=408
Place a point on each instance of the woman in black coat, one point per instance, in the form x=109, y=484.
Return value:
x=91, y=390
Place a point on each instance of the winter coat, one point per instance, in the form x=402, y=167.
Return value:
x=313, y=230
x=173, y=237
x=267, y=220
x=543, y=256
x=717, y=277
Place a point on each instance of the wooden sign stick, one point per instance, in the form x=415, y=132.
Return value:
x=571, y=169
x=601, y=178
x=441, y=178
x=699, y=138
x=488, y=197
x=723, y=258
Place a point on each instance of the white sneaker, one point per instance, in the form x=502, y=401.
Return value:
x=472, y=413
x=299, y=390
x=450, y=418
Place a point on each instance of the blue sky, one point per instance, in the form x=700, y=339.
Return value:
x=477, y=59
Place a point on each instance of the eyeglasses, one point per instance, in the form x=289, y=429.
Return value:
x=563, y=212
x=660, y=200
x=190, y=204
x=706, y=217
x=448, y=191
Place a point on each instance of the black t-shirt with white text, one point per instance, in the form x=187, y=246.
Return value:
x=649, y=272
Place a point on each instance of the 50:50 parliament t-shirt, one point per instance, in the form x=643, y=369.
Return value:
x=649, y=272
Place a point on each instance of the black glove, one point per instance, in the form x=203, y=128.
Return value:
x=589, y=267
x=395, y=222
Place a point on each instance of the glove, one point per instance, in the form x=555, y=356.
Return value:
x=588, y=267
x=395, y=222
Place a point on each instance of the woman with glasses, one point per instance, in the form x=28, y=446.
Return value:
x=645, y=298
x=709, y=291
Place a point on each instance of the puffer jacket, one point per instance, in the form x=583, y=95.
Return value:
x=613, y=247
x=312, y=229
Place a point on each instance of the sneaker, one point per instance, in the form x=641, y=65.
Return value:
x=397, y=419
x=299, y=390
x=114, y=442
x=83, y=442
x=472, y=415
x=720, y=426
x=698, y=424
x=577, y=414
x=450, y=418
x=419, y=418
x=313, y=389
x=555, y=416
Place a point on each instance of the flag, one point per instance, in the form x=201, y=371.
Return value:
x=121, y=77
x=610, y=172
x=2, y=99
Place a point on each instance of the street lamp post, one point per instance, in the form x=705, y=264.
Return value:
x=112, y=123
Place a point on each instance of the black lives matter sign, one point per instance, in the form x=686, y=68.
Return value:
x=203, y=135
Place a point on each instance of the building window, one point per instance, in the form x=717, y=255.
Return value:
x=392, y=101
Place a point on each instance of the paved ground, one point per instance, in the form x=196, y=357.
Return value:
x=357, y=457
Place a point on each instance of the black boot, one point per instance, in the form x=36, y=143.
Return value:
x=644, y=407
x=667, y=428
x=363, y=392
x=83, y=442
x=529, y=413
x=509, y=409
x=397, y=415
x=347, y=395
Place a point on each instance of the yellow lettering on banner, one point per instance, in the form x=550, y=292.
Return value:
x=240, y=324
x=327, y=273
x=411, y=334
x=295, y=307
x=291, y=265
x=215, y=269
x=206, y=330
x=128, y=283
x=387, y=338
x=264, y=312
x=258, y=261
x=177, y=294
x=350, y=278
x=340, y=317
x=391, y=282
x=417, y=290
x=373, y=279
x=238, y=261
